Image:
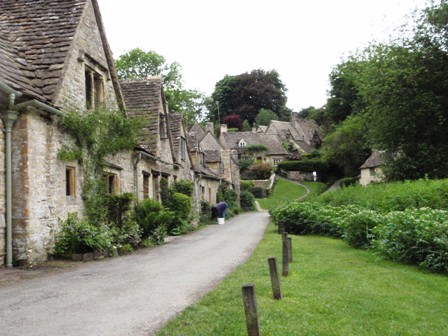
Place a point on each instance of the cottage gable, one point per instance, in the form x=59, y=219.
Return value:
x=143, y=98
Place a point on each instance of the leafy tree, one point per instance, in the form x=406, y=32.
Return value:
x=264, y=117
x=347, y=145
x=316, y=114
x=246, y=94
x=246, y=126
x=140, y=64
x=233, y=121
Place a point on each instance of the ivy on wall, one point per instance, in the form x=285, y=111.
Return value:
x=96, y=135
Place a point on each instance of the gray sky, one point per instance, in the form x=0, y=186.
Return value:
x=302, y=40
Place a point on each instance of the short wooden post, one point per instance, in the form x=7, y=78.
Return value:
x=285, y=259
x=251, y=310
x=275, y=278
x=290, y=249
x=281, y=228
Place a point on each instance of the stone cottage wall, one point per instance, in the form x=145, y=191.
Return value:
x=2, y=198
x=71, y=94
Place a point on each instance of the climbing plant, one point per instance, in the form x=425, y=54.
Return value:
x=94, y=136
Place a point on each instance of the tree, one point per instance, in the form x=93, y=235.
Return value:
x=264, y=117
x=246, y=126
x=246, y=94
x=233, y=121
x=140, y=64
x=347, y=145
x=401, y=88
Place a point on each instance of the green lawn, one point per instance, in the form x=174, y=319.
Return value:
x=332, y=289
x=286, y=191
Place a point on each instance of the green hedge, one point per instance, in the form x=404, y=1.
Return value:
x=247, y=201
x=416, y=236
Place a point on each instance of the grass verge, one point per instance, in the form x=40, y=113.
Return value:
x=332, y=289
x=287, y=191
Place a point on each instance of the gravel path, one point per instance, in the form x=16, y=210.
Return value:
x=129, y=295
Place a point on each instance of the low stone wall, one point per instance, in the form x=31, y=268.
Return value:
x=299, y=176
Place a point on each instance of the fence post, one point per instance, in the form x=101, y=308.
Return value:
x=251, y=310
x=290, y=249
x=285, y=257
x=275, y=278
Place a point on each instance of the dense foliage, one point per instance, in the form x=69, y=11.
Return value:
x=246, y=94
x=406, y=222
x=247, y=200
x=393, y=96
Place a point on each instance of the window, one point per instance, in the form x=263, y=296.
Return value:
x=372, y=172
x=276, y=162
x=203, y=193
x=162, y=127
x=210, y=195
x=70, y=181
x=112, y=186
x=145, y=185
x=242, y=143
x=182, y=149
x=94, y=89
x=155, y=187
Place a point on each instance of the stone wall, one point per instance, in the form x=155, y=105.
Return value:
x=72, y=94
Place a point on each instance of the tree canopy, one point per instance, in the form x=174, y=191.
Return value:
x=246, y=94
x=141, y=64
x=400, y=92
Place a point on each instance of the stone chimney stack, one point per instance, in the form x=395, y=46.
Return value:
x=223, y=128
x=254, y=130
x=294, y=117
x=209, y=127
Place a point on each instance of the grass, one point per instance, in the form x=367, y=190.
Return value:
x=286, y=191
x=332, y=289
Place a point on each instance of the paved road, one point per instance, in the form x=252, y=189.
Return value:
x=130, y=295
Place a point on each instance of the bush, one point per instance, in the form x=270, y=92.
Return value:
x=258, y=192
x=181, y=206
x=184, y=187
x=118, y=207
x=152, y=219
x=78, y=236
x=128, y=234
x=358, y=228
x=417, y=236
x=258, y=171
x=245, y=185
x=349, y=181
x=247, y=200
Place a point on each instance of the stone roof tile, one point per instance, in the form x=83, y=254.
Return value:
x=39, y=35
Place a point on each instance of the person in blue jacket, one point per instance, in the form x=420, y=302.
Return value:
x=219, y=210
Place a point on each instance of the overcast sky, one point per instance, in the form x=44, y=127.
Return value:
x=302, y=40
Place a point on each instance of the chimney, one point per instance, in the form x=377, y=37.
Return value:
x=254, y=130
x=223, y=128
x=209, y=127
x=294, y=117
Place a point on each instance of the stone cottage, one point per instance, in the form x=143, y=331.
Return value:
x=54, y=58
x=371, y=170
x=242, y=142
x=303, y=135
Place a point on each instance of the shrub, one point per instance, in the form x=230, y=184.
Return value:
x=349, y=181
x=247, y=200
x=184, y=187
x=78, y=236
x=117, y=208
x=259, y=171
x=128, y=234
x=358, y=228
x=152, y=219
x=417, y=236
x=181, y=206
x=258, y=192
x=245, y=185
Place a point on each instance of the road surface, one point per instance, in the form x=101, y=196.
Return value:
x=129, y=295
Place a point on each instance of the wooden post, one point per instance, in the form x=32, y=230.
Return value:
x=290, y=249
x=251, y=310
x=281, y=228
x=285, y=259
x=275, y=278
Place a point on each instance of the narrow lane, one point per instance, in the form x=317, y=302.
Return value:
x=130, y=295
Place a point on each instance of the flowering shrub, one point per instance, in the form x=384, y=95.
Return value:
x=417, y=236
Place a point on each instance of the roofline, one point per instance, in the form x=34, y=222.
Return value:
x=8, y=90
